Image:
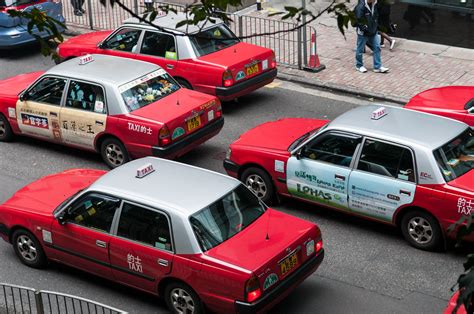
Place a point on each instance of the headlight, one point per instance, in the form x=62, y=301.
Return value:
x=228, y=153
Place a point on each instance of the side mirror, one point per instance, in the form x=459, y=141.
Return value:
x=62, y=219
x=298, y=154
x=23, y=97
x=471, y=110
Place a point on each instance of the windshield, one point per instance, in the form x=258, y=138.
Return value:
x=456, y=157
x=148, y=89
x=302, y=138
x=213, y=39
x=226, y=217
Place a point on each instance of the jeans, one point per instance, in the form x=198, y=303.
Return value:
x=374, y=41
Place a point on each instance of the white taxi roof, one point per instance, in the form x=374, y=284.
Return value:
x=171, y=186
x=108, y=69
x=400, y=125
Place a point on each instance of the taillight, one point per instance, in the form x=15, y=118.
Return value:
x=164, y=136
x=273, y=62
x=227, y=79
x=319, y=245
x=218, y=109
x=252, y=289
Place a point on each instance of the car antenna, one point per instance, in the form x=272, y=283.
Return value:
x=268, y=224
x=177, y=96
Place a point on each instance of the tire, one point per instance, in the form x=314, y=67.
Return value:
x=421, y=230
x=6, y=133
x=180, y=298
x=184, y=83
x=113, y=152
x=28, y=249
x=260, y=183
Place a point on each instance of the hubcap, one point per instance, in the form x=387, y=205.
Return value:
x=420, y=230
x=114, y=154
x=256, y=183
x=2, y=129
x=182, y=301
x=27, y=248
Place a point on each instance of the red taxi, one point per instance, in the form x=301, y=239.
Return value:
x=121, y=108
x=219, y=248
x=397, y=166
x=455, y=102
x=206, y=57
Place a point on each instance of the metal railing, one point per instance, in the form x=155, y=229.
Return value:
x=291, y=47
x=17, y=299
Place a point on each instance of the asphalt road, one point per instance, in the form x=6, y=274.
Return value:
x=368, y=267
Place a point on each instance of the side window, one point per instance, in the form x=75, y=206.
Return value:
x=85, y=96
x=145, y=226
x=48, y=90
x=388, y=160
x=94, y=211
x=124, y=40
x=160, y=45
x=332, y=148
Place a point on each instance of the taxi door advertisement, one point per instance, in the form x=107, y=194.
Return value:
x=79, y=127
x=36, y=119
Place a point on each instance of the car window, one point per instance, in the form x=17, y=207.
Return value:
x=226, y=217
x=94, y=211
x=48, y=90
x=9, y=3
x=457, y=156
x=124, y=40
x=213, y=39
x=145, y=226
x=332, y=148
x=387, y=160
x=160, y=45
x=85, y=96
x=147, y=89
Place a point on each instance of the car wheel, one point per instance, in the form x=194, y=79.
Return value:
x=6, y=133
x=113, y=152
x=184, y=83
x=182, y=299
x=28, y=249
x=421, y=230
x=260, y=183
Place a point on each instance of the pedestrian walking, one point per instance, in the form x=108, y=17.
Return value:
x=148, y=5
x=77, y=6
x=367, y=26
x=385, y=24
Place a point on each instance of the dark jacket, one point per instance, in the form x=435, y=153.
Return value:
x=367, y=17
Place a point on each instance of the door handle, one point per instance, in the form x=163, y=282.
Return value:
x=170, y=66
x=340, y=177
x=405, y=192
x=99, y=122
x=163, y=262
x=54, y=114
x=100, y=243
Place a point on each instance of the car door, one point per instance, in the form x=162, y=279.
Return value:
x=83, y=116
x=160, y=48
x=38, y=108
x=320, y=171
x=83, y=239
x=383, y=180
x=124, y=42
x=141, y=253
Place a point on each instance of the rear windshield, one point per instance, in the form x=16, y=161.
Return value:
x=213, y=39
x=457, y=156
x=147, y=89
x=226, y=217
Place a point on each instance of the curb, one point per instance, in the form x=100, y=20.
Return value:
x=337, y=87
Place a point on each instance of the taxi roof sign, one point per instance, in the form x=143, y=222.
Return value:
x=378, y=113
x=85, y=59
x=144, y=170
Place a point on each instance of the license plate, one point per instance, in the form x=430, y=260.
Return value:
x=251, y=70
x=194, y=123
x=288, y=263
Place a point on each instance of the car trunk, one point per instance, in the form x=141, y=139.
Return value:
x=268, y=248
x=464, y=182
x=183, y=112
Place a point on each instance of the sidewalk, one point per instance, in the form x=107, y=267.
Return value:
x=414, y=66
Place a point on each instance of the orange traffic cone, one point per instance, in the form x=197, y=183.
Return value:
x=314, y=65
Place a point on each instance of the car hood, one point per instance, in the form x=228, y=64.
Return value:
x=449, y=97
x=15, y=85
x=264, y=242
x=47, y=193
x=88, y=39
x=465, y=182
x=279, y=134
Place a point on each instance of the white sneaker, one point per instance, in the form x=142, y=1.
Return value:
x=382, y=45
x=381, y=70
x=362, y=69
x=392, y=44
